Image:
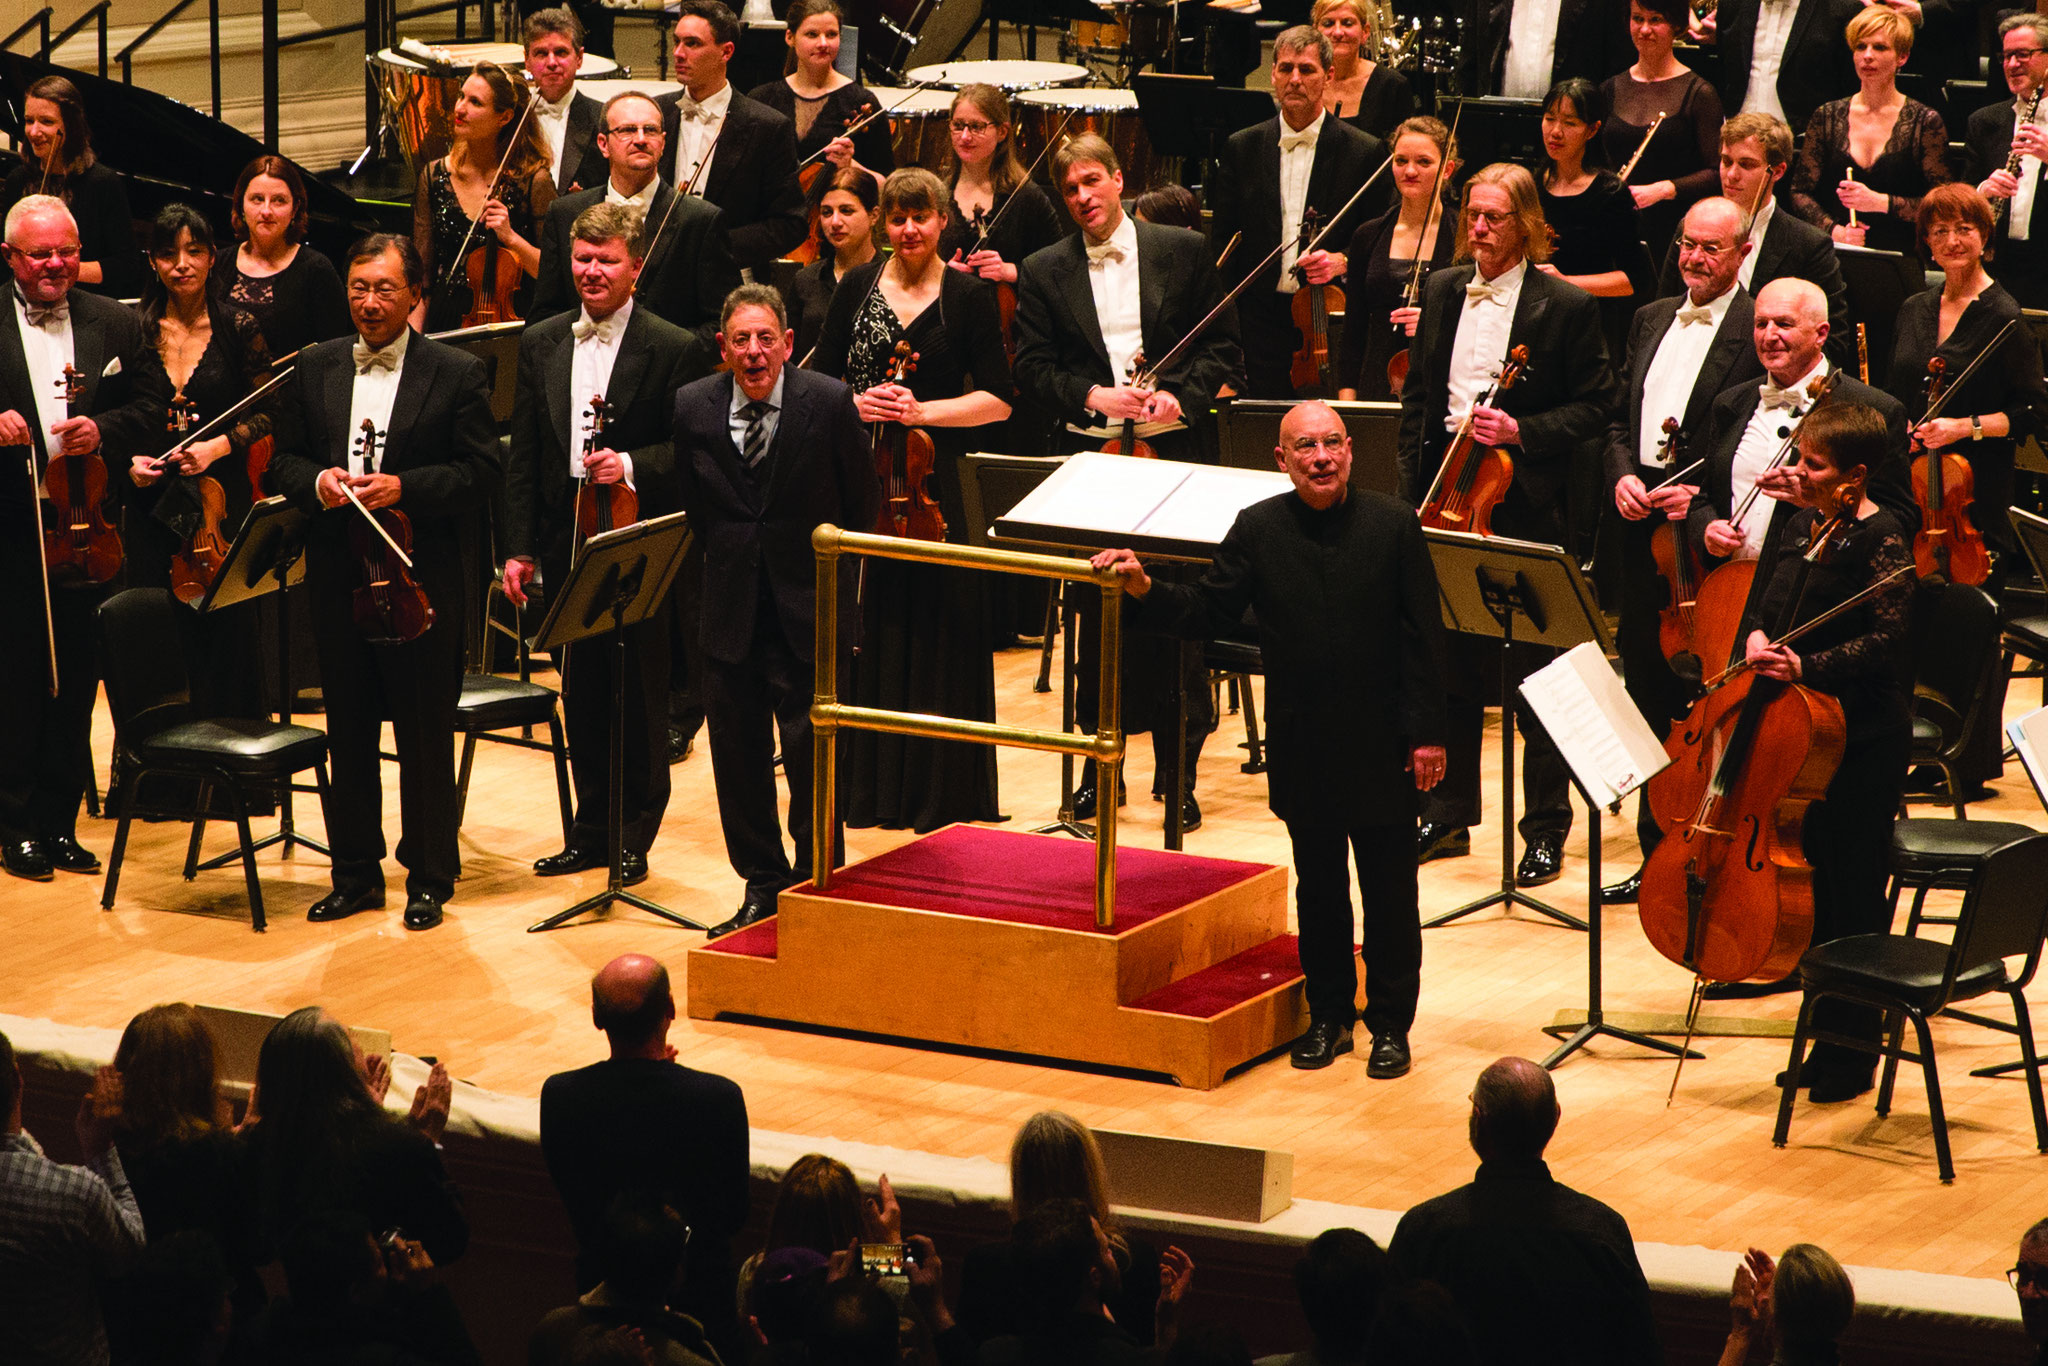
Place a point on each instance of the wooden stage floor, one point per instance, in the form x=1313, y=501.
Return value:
x=504, y=1009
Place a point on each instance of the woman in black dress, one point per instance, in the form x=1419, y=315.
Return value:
x=456, y=191
x=1592, y=217
x=1379, y=317
x=847, y=214
x=1876, y=152
x=924, y=643
x=1364, y=93
x=1680, y=165
x=821, y=102
x=291, y=290
x=996, y=215
x=58, y=160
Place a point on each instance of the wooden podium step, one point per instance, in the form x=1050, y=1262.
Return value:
x=987, y=939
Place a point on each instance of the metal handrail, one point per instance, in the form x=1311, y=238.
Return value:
x=829, y=715
x=40, y=19
x=126, y=55
x=98, y=12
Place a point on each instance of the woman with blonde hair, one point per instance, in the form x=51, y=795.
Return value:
x=1800, y=1305
x=1383, y=256
x=1362, y=92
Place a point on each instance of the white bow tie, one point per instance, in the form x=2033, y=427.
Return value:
x=1479, y=290
x=1771, y=396
x=384, y=358
x=691, y=111
x=585, y=327
x=1695, y=314
x=1290, y=140
x=39, y=316
x=1110, y=252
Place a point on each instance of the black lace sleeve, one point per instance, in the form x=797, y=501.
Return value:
x=1827, y=137
x=1930, y=139
x=1880, y=651
x=255, y=424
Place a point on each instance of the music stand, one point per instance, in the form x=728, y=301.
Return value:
x=1192, y=116
x=1494, y=128
x=268, y=556
x=1248, y=432
x=1487, y=584
x=621, y=578
x=1879, y=284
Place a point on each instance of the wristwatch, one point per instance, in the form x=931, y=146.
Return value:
x=1976, y=428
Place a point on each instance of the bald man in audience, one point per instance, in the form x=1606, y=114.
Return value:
x=2029, y=1277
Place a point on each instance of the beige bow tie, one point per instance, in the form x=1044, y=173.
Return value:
x=1694, y=314
x=1479, y=290
x=1290, y=140
x=693, y=112
x=382, y=358
x=1771, y=396
x=1108, y=252
x=585, y=327
x=38, y=316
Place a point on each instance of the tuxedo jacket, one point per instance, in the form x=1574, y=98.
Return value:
x=1562, y=402
x=1987, y=142
x=1245, y=196
x=656, y=358
x=687, y=273
x=126, y=396
x=1060, y=354
x=756, y=526
x=442, y=445
x=1731, y=360
x=1816, y=66
x=1791, y=249
x=1592, y=41
x=752, y=178
x=582, y=164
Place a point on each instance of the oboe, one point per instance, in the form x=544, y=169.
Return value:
x=2001, y=207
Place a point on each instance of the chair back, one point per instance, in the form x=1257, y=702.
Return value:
x=1954, y=641
x=2005, y=911
x=141, y=634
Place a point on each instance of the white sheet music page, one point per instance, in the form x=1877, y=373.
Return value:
x=1094, y=491
x=2030, y=738
x=1580, y=701
x=1207, y=503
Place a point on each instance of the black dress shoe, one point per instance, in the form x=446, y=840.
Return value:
x=1190, y=814
x=1433, y=841
x=1389, y=1057
x=679, y=745
x=1834, y=1084
x=67, y=855
x=1542, y=861
x=1748, y=991
x=1084, y=800
x=570, y=860
x=632, y=869
x=1320, y=1046
x=340, y=905
x=1624, y=892
x=24, y=859
x=422, y=911
x=751, y=912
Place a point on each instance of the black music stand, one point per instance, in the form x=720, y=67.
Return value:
x=268, y=556
x=1193, y=116
x=1879, y=283
x=1487, y=584
x=1248, y=434
x=1494, y=128
x=621, y=579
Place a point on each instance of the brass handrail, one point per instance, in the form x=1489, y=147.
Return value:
x=828, y=715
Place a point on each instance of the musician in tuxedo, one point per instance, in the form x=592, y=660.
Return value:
x=1474, y=315
x=1785, y=58
x=45, y=747
x=569, y=119
x=1994, y=133
x=1087, y=307
x=689, y=268
x=1521, y=48
x=1341, y=584
x=1682, y=352
x=765, y=453
x=736, y=152
x=435, y=459
x=1273, y=175
x=621, y=351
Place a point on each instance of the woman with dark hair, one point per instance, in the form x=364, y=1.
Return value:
x=819, y=1205
x=1381, y=259
x=925, y=631
x=847, y=214
x=1592, y=218
x=821, y=102
x=1174, y=205
x=58, y=160
x=1680, y=164
x=320, y=1140
x=985, y=232
x=291, y=290
x=455, y=199
x=1364, y=93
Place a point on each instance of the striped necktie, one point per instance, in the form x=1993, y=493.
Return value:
x=756, y=448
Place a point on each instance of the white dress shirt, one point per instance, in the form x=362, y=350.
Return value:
x=697, y=135
x=1767, y=56
x=47, y=349
x=590, y=375
x=1482, y=341
x=1113, y=280
x=1761, y=439
x=1747, y=270
x=1674, y=369
x=1297, y=159
x=371, y=397
x=643, y=201
x=1532, y=48
x=554, y=126
x=2019, y=222
x=736, y=415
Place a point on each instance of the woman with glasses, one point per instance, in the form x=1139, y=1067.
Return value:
x=1678, y=164
x=57, y=159
x=986, y=233
x=847, y=214
x=1364, y=93
x=1875, y=152
x=821, y=102
x=290, y=289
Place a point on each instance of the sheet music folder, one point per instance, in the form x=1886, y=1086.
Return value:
x=2029, y=737
x=1156, y=507
x=1594, y=724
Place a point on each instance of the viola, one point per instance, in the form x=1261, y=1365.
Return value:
x=1128, y=443
x=1311, y=311
x=492, y=275
x=904, y=460
x=82, y=546
x=1006, y=293
x=808, y=250
x=1677, y=565
x=389, y=606
x=1948, y=543
x=1474, y=478
x=196, y=563
x=600, y=507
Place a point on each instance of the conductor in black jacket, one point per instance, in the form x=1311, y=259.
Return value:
x=436, y=461
x=1341, y=585
x=765, y=454
x=617, y=350
x=1474, y=316
x=1273, y=175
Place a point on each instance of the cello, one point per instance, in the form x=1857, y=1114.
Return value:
x=197, y=561
x=1948, y=542
x=904, y=459
x=599, y=507
x=83, y=546
x=1311, y=311
x=388, y=606
x=1473, y=478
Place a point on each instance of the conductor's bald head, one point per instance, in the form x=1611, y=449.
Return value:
x=1514, y=1111
x=631, y=1002
x=1791, y=328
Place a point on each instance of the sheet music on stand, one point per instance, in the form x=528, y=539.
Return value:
x=1158, y=507
x=1595, y=725
x=2029, y=735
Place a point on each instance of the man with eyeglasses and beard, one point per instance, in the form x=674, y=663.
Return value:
x=1341, y=584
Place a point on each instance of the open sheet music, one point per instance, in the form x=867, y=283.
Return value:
x=2030, y=737
x=1159, y=505
x=1590, y=717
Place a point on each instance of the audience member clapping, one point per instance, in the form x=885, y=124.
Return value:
x=643, y=1257
x=1800, y=1307
x=1064, y=1268
x=2029, y=1277
x=1339, y=1280
x=359, y=1300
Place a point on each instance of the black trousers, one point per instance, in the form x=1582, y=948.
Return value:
x=414, y=686
x=1392, y=949
x=1546, y=785
x=1848, y=842
x=587, y=716
x=46, y=742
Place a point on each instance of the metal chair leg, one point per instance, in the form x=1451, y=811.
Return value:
x=1942, y=1160
x=561, y=776
x=462, y=778
x=248, y=857
x=128, y=787
x=198, y=830
x=2026, y=1032
x=1790, y=1089
x=1895, y=1028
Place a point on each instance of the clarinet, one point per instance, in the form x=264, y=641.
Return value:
x=2001, y=207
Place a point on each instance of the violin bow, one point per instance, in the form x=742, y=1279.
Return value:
x=1058, y=135
x=1805, y=627
x=370, y=429
x=1435, y=210
x=230, y=413
x=859, y=124
x=654, y=238
x=1790, y=443
x=1949, y=390
x=520, y=83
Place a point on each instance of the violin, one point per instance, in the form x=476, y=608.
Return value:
x=490, y=274
x=196, y=563
x=1948, y=543
x=904, y=459
x=1473, y=478
x=1128, y=443
x=1397, y=364
x=1311, y=311
x=83, y=545
x=600, y=507
x=1678, y=566
x=389, y=606
x=808, y=250
x=1411, y=294
x=1006, y=293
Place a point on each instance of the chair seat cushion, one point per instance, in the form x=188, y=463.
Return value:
x=2028, y=635
x=1894, y=965
x=1925, y=848
x=1234, y=656
x=248, y=747
x=1926, y=736
x=488, y=702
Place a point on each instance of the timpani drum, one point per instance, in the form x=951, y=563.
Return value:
x=918, y=125
x=1005, y=75
x=416, y=88
x=1110, y=114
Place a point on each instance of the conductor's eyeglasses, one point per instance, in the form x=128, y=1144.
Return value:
x=1306, y=445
